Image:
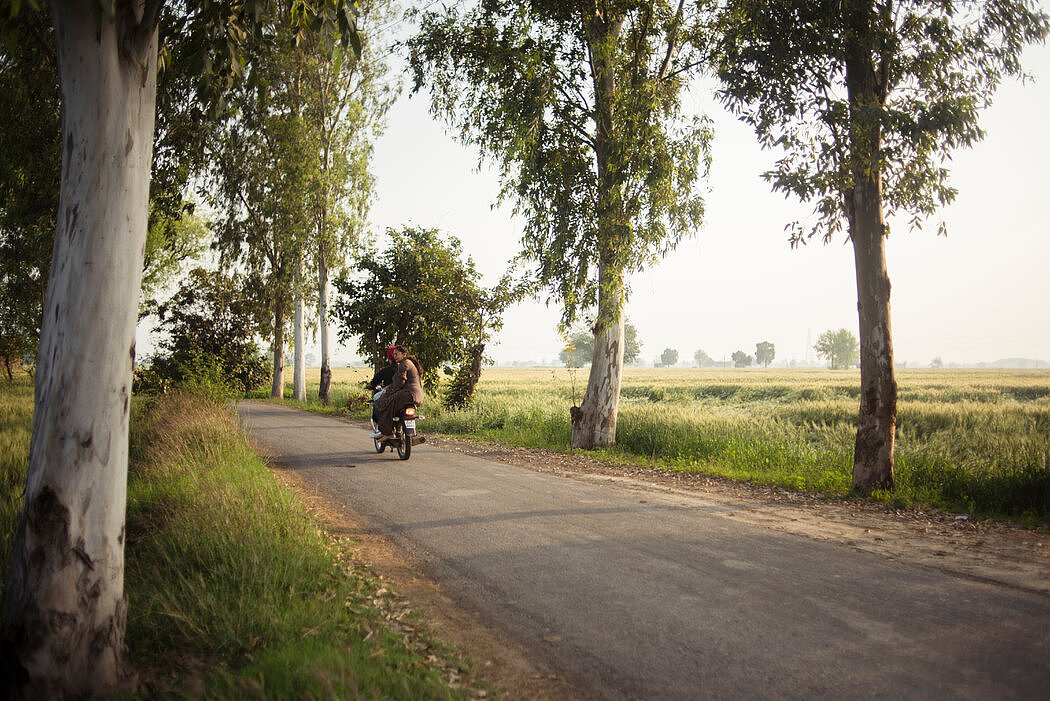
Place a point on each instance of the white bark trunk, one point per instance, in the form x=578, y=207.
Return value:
x=299, y=371
x=64, y=609
x=323, y=289
x=596, y=423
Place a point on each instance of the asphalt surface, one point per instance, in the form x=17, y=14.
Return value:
x=651, y=595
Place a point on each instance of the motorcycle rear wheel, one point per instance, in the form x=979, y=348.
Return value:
x=404, y=445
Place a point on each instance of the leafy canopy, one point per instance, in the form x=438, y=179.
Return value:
x=741, y=359
x=782, y=64
x=580, y=346
x=765, y=352
x=840, y=348
x=418, y=292
x=518, y=80
x=207, y=325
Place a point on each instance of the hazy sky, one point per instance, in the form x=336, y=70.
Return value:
x=981, y=293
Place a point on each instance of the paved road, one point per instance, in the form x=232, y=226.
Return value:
x=651, y=595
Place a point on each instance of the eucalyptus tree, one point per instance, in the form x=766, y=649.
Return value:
x=292, y=169
x=868, y=98
x=265, y=172
x=579, y=106
x=31, y=162
x=64, y=609
x=348, y=100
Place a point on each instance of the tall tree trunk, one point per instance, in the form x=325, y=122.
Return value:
x=299, y=371
x=64, y=610
x=877, y=420
x=324, y=392
x=594, y=423
x=277, y=386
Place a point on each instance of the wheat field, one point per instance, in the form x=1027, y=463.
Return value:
x=969, y=440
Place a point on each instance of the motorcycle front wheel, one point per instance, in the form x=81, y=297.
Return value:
x=379, y=445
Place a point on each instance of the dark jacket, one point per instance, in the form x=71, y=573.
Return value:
x=383, y=377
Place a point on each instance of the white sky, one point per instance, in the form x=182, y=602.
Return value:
x=980, y=294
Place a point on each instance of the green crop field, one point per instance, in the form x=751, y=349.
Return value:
x=975, y=441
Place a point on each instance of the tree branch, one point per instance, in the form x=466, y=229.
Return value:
x=671, y=40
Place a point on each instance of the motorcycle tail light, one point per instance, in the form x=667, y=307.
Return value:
x=410, y=413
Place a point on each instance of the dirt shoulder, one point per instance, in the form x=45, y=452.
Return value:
x=1004, y=554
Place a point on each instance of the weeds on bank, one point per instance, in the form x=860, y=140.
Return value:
x=226, y=567
x=974, y=441
x=16, y=428
x=233, y=591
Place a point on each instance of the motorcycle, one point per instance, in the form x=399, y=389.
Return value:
x=405, y=435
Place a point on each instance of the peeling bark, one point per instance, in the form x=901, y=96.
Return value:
x=877, y=420
x=64, y=610
x=594, y=423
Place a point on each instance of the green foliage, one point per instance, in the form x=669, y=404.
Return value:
x=460, y=391
x=632, y=347
x=840, y=348
x=290, y=153
x=783, y=67
x=669, y=358
x=741, y=359
x=578, y=349
x=265, y=173
x=582, y=342
x=765, y=352
x=232, y=583
x=30, y=162
x=970, y=441
x=483, y=321
x=16, y=425
x=603, y=178
x=208, y=339
x=418, y=292
x=173, y=240
x=702, y=359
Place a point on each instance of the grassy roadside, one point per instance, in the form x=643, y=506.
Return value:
x=233, y=589
x=16, y=428
x=968, y=441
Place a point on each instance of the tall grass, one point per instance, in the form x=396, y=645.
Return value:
x=226, y=567
x=233, y=590
x=975, y=441
x=16, y=427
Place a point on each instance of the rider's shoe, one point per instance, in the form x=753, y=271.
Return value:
x=376, y=434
